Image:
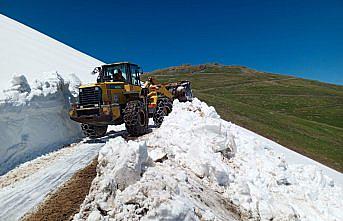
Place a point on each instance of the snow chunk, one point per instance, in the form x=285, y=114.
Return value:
x=19, y=83
x=176, y=209
x=120, y=164
x=157, y=154
x=74, y=84
x=18, y=90
x=124, y=161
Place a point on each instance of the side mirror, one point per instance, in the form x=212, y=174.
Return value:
x=96, y=71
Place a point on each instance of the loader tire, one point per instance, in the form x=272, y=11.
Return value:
x=93, y=131
x=136, y=118
x=164, y=107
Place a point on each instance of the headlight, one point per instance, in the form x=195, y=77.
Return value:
x=80, y=90
x=106, y=110
x=97, y=88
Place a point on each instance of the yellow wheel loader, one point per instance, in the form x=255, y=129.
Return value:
x=119, y=97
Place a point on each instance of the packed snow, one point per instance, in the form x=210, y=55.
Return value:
x=25, y=187
x=200, y=167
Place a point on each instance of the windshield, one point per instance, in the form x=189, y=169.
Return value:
x=115, y=73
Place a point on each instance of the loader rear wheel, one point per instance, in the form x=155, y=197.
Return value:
x=136, y=118
x=164, y=107
x=93, y=131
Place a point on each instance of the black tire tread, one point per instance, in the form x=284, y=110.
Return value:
x=93, y=131
x=164, y=107
x=132, y=118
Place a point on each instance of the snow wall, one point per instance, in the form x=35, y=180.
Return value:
x=27, y=51
x=34, y=118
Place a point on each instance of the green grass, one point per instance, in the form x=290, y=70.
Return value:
x=303, y=115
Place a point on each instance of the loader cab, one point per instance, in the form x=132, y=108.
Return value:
x=119, y=72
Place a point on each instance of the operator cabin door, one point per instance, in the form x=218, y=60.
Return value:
x=136, y=84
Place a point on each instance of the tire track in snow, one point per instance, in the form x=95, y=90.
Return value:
x=65, y=202
x=58, y=206
x=26, y=187
x=23, y=195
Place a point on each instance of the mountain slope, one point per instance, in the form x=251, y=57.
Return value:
x=26, y=51
x=306, y=116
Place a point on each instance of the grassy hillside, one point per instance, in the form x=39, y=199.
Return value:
x=303, y=115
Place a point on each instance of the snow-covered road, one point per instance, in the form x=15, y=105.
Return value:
x=26, y=186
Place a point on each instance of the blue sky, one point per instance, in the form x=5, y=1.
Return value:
x=302, y=38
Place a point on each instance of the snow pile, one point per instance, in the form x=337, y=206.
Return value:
x=120, y=165
x=203, y=168
x=177, y=180
x=198, y=139
x=34, y=119
x=271, y=189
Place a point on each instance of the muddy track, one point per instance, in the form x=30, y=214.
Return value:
x=66, y=201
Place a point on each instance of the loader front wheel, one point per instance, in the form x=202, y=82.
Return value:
x=93, y=131
x=164, y=107
x=136, y=118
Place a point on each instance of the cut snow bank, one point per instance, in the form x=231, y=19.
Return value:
x=33, y=115
x=34, y=119
x=200, y=167
x=26, y=51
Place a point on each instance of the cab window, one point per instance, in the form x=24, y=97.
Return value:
x=135, y=75
x=116, y=73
